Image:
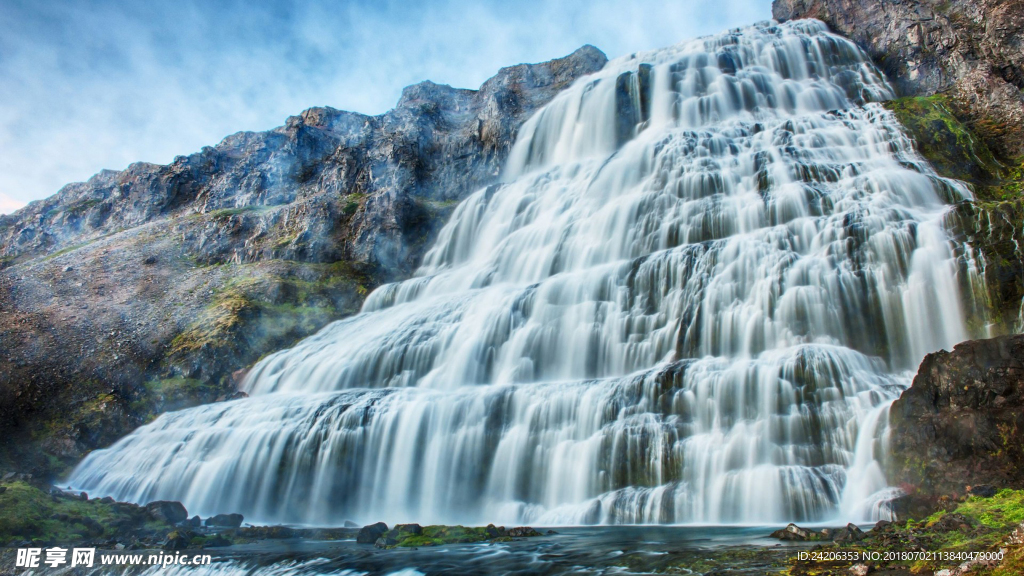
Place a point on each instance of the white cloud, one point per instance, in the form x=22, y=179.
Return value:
x=103, y=85
x=8, y=204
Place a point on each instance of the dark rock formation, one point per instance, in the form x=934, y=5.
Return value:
x=143, y=290
x=972, y=50
x=962, y=422
x=165, y=511
x=369, y=534
x=225, y=520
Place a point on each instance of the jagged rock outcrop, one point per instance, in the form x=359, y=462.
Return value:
x=971, y=50
x=143, y=290
x=961, y=423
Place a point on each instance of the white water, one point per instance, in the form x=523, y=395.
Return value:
x=706, y=274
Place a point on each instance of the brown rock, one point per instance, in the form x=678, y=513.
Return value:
x=961, y=423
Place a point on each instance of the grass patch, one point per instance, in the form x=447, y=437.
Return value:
x=973, y=525
x=29, y=514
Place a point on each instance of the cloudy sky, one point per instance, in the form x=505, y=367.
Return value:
x=93, y=84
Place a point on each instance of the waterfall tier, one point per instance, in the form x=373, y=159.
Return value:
x=706, y=273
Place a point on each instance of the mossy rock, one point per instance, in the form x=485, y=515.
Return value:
x=27, y=513
x=974, y=524
x=953, y=149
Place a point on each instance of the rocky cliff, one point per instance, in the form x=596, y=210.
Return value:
x=144, y=290
x=962, y=422
x=970, y=50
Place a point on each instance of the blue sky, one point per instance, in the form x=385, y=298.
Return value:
x=91, y=84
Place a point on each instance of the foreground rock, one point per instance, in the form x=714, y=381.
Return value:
x=170, y=512
x=794, y=533
x=961, y=423
x=414, y=535
x=152, y=288
x=225, y=520
x=974, y=535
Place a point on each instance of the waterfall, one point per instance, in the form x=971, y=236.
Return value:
x=704, y=276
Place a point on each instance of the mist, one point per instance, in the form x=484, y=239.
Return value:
x=89, y=85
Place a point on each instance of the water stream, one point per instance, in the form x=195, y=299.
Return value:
x=706, y=273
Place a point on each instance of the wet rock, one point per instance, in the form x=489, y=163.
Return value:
x=493, y=531
x=409, y=528
x=266, y=532
x=194, y=522
x=369, y=534
x=177, y=541
x=385, y=541
x=217, y=541
x=167, y=511
x=851, y=533
x=522, y=532
x=792, y=532
x=3, y=489
x=225, y=520
x=982, y=490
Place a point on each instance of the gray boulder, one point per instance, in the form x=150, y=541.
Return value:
x=167, y=511
x=369, y=534
x=225, y=520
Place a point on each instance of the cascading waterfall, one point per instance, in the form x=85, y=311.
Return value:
x=707, y=272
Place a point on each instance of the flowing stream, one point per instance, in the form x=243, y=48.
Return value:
x=705, y=275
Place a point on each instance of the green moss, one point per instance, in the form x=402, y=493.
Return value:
x=28, y=513
x=276, y=310
x=957, y=150
x=438, y=535
x=1004, y=511
x=973, y=525
x=216, y=322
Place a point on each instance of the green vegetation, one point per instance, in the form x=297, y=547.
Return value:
x=166, y=394
x=438, y=535
x=973, y=525
x=993, y=225
x=29, y=514
x=957, y=150
x=257, y=307
x=414, y=536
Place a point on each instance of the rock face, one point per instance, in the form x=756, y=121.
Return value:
x=144, y=290
x=225, y=520
x=962, y=422
x=165, y=511
x=369, y=534
x=972, y=50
